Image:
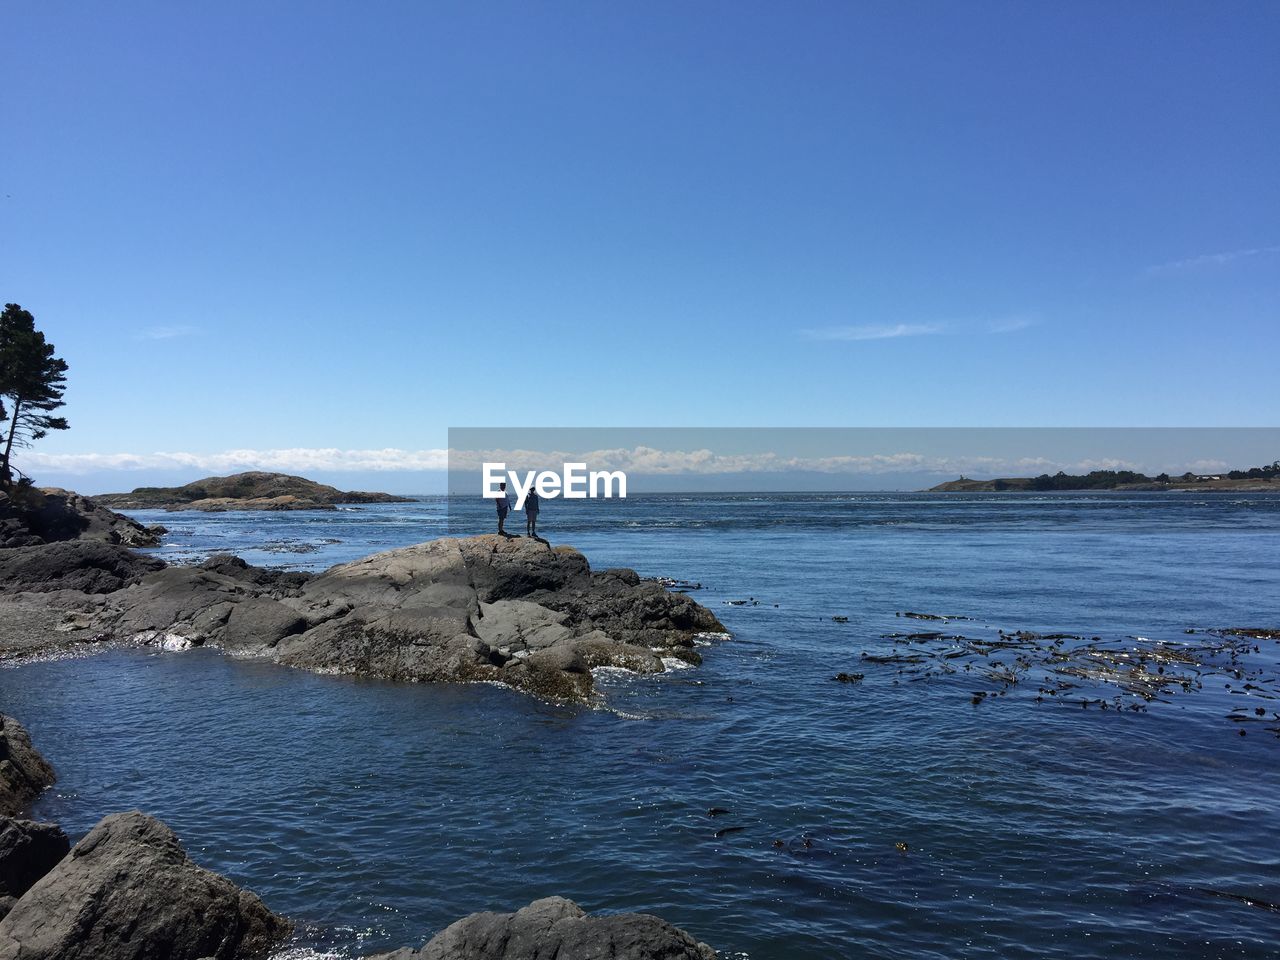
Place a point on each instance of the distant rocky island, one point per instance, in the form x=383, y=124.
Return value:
x=253, y=490
x=1254, y=480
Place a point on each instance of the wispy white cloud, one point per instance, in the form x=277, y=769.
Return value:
x=1009, y=324
x=888, y=331
x=648, y=461
x=639, y=460
x=1212, y=259
x=875, y=331
x=167, y=333
x=291, y=460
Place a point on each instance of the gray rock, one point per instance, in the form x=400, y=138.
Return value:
x=23, y=772
x=237, y=569
x=127, y=891
x=491, y=608
x=259, y=622
x=28, y=851
x=14, y=530
x=520, y=625
x=49, y=515
x=88, y=566
x=555, y=927
x=510, y=569
x=598, y=650
x=36, y=624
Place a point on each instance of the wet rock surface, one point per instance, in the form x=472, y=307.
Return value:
x=490, y=608
x=128, y=891
x=23, y=772
x=556, y=927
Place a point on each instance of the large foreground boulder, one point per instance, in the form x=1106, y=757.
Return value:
x=555, y=927
x=28, y=851
x=127, y=891
x=23, y=772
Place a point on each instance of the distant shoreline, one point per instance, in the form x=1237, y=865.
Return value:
x=1026, y=485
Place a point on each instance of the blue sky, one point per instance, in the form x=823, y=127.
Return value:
x=351, y=226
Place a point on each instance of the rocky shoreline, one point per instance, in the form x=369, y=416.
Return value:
x=486, y=608
x=128, y=891
x=509, y=610
x=490, y=608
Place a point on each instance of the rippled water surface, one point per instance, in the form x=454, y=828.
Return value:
x=376, y=813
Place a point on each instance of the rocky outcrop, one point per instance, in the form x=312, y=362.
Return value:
x=484, y=608
x=28, y=851
x=36, y=516
x=128, y=891
x=510, y=610
x=86, y=566
x=253, y=490
x=23, y=772
x=555, y=927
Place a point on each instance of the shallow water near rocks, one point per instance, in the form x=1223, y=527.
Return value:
x=374, y=814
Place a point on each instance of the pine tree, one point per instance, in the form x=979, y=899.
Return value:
x=31, y=384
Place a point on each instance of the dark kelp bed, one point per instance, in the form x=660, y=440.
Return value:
x=1131, y=673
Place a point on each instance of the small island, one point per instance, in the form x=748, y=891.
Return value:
x=1254, y=480
x=252, y=490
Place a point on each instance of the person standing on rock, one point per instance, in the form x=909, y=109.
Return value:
x=531, y=506
x=503, y=503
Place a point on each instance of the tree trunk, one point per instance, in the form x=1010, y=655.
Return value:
x=6, y=476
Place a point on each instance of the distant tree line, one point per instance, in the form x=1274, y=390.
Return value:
x=1110, y=479
x=1269, y=472
x=1095, y=480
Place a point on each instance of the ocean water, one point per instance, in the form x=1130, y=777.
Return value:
x=1035, y=824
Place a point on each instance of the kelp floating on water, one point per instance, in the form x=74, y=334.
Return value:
x=1128, y=674
x=1256, y=633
